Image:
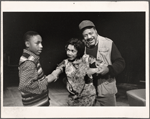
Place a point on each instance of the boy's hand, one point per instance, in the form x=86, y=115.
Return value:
x=51, y=78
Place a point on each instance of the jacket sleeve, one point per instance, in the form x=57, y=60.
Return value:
x=29, y=82
x=118, y=63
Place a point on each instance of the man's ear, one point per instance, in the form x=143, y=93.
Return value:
x=27, y=44
x=95, y=31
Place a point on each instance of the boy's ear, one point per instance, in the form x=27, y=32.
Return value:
x=27, y=44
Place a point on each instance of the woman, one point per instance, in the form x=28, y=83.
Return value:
x=79, y=75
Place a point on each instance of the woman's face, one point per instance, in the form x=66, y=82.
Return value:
x=71, y=52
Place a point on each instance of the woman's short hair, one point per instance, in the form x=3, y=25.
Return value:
x=79, y=46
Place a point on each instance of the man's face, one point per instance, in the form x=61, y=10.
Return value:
x=35, y=44
x=90, y=36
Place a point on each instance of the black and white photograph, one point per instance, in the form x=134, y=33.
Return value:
x=74, y=59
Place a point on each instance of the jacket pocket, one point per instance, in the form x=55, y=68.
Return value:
x=103, y=51
x=107, y=88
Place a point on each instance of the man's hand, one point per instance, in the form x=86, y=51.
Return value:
x=103, y=70
x=92, y=71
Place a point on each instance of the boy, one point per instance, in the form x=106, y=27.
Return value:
x=33, y=83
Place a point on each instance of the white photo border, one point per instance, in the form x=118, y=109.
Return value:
x=76, y=112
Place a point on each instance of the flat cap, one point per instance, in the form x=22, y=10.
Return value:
x=85, y=23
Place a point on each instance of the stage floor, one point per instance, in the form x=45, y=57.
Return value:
x=59, y=94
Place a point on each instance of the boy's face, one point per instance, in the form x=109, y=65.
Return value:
x=35, y=44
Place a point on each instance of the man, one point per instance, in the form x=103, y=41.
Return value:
x=103, y=49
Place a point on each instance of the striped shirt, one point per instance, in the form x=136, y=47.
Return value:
x=33, y=83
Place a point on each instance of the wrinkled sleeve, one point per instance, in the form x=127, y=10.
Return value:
x=29, y=82
x=118, y=63
x=91, y=67
x=88, y=59
x=94, y=63
x=59, y=69
x=91, y=59
x=61, y=66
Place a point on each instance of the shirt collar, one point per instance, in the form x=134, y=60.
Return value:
x=31, y=53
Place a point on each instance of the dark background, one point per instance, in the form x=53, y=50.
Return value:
x=126, y=29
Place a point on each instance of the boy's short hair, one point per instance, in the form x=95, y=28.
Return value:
x=29, y=34
x=78, y=44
